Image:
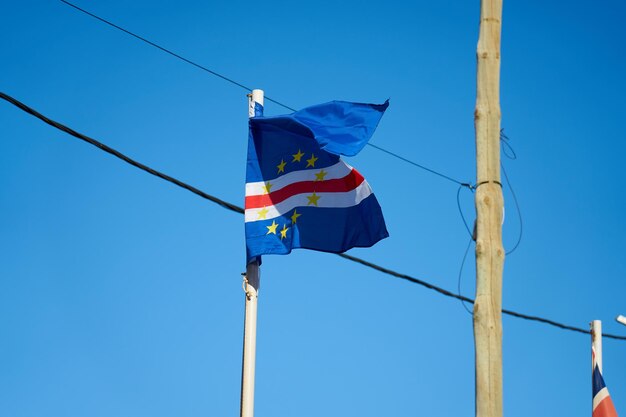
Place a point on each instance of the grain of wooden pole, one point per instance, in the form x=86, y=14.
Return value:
x=489, y=203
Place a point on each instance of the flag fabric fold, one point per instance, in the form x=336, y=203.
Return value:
x=602, y=403
x=299, y=193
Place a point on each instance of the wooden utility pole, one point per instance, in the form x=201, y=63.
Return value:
x=489, y=204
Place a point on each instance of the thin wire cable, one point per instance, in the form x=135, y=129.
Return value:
x=230, y=80
x=504, y=139
x=240, y=210
x=120, y=155
x=469, y=243
x=458, y=204
x=507, y=149
x=519, y=212
x=432, y=171
x=174, y=54
x=471, y=239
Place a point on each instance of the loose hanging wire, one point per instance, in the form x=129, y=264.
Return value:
x=519, y=213
x=240, y=210
x=458, y=204
x=509, y=152
x=507, y=149
x=469, y=244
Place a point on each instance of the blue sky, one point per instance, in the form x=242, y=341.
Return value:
x=120, y=294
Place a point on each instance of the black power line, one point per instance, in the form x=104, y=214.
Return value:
x=120, y=155
x=470, y=300
x=238, y=209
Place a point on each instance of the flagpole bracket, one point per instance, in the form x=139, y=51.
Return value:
x=247, y=288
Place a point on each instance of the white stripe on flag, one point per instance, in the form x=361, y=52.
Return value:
x=339, y=170
x=601, y=395
x=331, y=200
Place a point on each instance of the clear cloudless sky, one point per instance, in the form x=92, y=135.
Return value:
x=120, y=294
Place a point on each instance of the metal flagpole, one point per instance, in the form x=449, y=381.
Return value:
x=596, y=348
x=601, y=403
x=596, y=343
x=251, y=282
x=489, y=215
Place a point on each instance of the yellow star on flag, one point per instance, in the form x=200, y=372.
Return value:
x=281, y=166
x=320, y=175
x=311, y=161
x=262, y=213
x=294, y=216
x=283, y=233
x=272, y=228
x=313, y=199
x=297, y=157
x=267, y=187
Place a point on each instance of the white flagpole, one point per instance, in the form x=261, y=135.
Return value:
x=596, y=342
x=251, y=284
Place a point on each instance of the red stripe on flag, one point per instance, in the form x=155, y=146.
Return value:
x=338, y=185
x=605, y=409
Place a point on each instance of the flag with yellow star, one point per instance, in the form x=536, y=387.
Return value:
x=299, y=192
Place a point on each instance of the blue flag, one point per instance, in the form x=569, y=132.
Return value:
x=299, y=193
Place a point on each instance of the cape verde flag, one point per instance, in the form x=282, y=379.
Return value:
x=299, y=193
x=602, y=403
